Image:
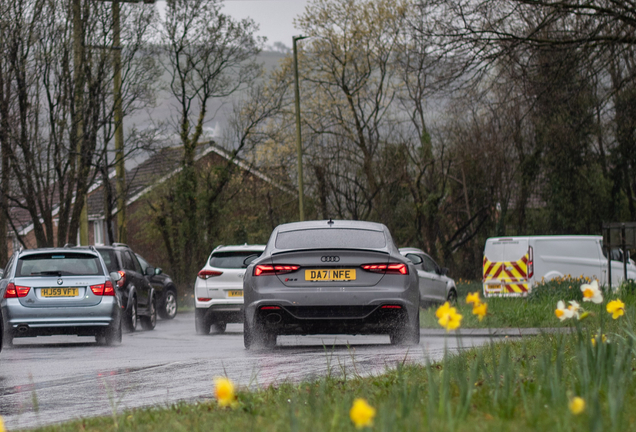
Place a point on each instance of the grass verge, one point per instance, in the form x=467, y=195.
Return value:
x=537, y=310
x=515, y=385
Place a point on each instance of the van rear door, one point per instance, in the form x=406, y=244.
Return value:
x=505, y=267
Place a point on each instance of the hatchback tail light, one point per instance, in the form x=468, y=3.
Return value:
x=391, y=307
x=266, y=270
x=14, y=291
x=206, y=274
x=122, y=281
x=391, y=268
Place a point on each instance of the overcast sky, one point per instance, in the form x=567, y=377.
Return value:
x=274, y=17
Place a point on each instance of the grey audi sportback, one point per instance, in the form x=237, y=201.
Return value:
x=330, y=277
x=59, y=291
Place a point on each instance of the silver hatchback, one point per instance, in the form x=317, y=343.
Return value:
x=435, y=286
x=59, y=291
x=330, y=277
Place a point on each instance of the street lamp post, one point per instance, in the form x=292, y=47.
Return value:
x=78, y=54
x=78, y=121
x=299, y=145
x=120, y=169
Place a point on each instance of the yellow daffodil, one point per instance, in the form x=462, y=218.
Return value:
x=616, y=308
x=2, y=429
x=224, y=392
x=577, y=405
x=473, y=298
x=562, y=312
x=480, y=309
x=448, y=317
x=603, y=340
x=443, y=310
x=362, y=413
x=591, y=292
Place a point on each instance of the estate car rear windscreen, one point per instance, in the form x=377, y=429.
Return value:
x=231, y=260
x=59, y=264
x=331, y=238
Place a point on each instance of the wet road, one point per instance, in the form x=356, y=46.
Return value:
x=52, y=379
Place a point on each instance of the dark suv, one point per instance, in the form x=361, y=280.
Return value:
x=165, y=289
x=137, y=295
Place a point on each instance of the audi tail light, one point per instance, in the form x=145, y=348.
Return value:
x=206, y=274
x=270, y=307
x=390, y=268
x=14, y=291
x=391, y=307
x=266, y=270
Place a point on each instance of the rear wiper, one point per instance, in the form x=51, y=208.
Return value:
x=47, y=273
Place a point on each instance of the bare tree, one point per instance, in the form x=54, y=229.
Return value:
x=53, y=166
x=207, y=55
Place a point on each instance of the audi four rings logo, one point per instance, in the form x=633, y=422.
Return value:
x=330, y=259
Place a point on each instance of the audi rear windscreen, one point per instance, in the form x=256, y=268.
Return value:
x=331, y=238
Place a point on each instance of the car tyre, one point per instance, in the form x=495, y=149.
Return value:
x=218, y=327
x=110, y=337
x=269, y=339
x=130, y=317
x=150, y=321
x=248, y=338
x=258, y=337
x=169, y=308
x=408, y=333
x=7, y=339
x=452, y=297
x=201, y=321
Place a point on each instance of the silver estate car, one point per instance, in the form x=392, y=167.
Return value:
x=330, y=277
x=435, y=286
x=59, y=291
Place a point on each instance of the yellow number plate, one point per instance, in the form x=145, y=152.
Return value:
x=493, y=287
x=330, y=275
x=59, y=292
x=235, y=293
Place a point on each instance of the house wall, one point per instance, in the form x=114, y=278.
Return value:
x=249, y=210
x=30, y=242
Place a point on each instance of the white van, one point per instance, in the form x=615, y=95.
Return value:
x=514, y=265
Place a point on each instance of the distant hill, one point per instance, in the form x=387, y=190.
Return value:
x=166, y=105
